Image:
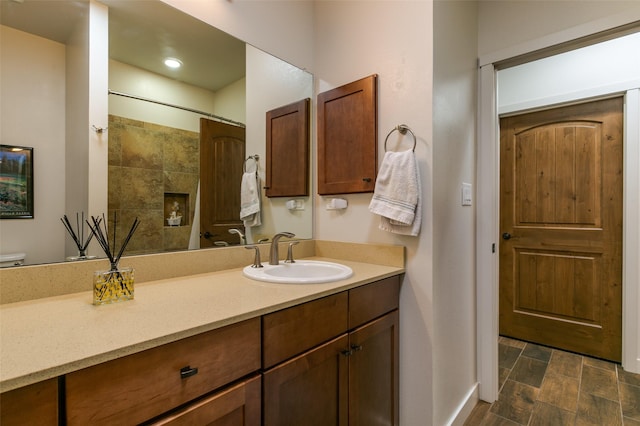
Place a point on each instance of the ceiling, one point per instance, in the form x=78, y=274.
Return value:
x=142, y=34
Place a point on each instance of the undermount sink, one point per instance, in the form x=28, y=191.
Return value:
x=300, y=272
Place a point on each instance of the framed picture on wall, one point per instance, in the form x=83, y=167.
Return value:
x=16, y=182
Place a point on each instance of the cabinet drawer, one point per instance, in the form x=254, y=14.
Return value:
x=238, y=405
x=138, y=387
x=373, y=300
x=294, y=330
x=30, y=405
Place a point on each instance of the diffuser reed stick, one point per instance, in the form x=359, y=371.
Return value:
x=98, y=226
x=78, y=234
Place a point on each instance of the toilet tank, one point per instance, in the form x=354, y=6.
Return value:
x=12, y=259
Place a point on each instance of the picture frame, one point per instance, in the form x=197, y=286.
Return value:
x=16, y=182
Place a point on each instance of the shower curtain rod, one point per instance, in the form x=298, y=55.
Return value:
x=207, y=114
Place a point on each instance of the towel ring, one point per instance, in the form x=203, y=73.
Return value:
x=403, y=129
x=255, y=158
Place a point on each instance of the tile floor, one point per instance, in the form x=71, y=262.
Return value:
x=544, y=386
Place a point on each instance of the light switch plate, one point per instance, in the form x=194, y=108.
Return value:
x=466, y=194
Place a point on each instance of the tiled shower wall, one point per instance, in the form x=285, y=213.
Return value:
x=147, y=161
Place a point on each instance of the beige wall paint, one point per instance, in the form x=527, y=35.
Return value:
x=33, y=115
x=507, y=24
x=394, y=40
x=282, y=28
x=454, y=142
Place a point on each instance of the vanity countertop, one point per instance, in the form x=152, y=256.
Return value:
x=49, y=337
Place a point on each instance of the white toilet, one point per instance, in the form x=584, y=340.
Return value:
x=12, y=259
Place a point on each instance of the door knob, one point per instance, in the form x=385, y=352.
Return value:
x=208, y=235
x=506, y=236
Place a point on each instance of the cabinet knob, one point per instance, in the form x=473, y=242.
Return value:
x=356, y=348
x=347, y=352
x=188, y=372
x=366, y=179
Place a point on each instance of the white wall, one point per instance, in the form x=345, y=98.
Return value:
x=272, y=83
x=454, y=124
x=394, y=40
x=282, y=28
x=509, y=28
x=135, y=81
x=32, y=72
x=606, y=67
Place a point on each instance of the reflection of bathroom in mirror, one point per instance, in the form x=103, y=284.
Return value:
x=142, y=157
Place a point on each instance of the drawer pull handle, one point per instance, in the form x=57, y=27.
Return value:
x=188, y=372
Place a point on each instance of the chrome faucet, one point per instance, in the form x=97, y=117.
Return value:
x=243, y=241
x=273, y=253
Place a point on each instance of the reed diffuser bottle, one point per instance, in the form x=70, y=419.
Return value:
x=116, y=284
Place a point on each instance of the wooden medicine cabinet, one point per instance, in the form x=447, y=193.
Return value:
x=287, y=170
x=347, y=138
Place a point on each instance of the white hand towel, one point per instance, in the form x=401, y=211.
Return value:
x=396, y=196
x=413, y=229
x=250, y=199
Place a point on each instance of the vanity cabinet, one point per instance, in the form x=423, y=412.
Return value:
x=346, y=376
x=36, y=404
x=139, y=387
x=329, y=361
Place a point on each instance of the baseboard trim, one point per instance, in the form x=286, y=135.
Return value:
x=466, y=406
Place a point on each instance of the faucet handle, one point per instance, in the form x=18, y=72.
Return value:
x=290, y=252
x=256, y=261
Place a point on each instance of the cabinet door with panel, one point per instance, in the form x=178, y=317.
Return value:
x=347, y=138
x=310, y=389
x=238, y=405
x=287, y=173
x=373, y=373
x=35, y=404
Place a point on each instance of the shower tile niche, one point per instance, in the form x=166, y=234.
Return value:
x=176, y=209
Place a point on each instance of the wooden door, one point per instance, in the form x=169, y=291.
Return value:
x=561, y=225
x=310, y=389
x=373, y=373
x=222, y=155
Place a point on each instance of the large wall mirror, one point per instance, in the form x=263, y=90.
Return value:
x=148, y=161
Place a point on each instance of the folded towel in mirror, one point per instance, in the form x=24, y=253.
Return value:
x=250, y=199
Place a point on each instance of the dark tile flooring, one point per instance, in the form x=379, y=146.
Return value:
x=544, y=386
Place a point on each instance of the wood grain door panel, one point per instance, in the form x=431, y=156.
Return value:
x=222, y=155
x=374, y=372
x=309, y=390
x=561, y=219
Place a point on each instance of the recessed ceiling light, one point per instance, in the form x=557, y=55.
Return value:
x=173, y=63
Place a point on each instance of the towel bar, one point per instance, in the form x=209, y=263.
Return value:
x=403, y=129
x=255, y=158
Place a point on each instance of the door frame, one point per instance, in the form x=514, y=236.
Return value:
x=488, y=215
